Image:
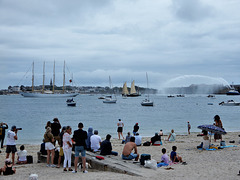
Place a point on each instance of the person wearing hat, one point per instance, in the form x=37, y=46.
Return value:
x=56, y=126
x=11, y=144
x=135, y=129
x=95, y=141
x=3, y=127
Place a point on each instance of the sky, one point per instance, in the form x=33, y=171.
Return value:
x=177, y=42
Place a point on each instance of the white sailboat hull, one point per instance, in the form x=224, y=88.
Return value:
x=39, y=95
x=147, y=103
x=109, y=100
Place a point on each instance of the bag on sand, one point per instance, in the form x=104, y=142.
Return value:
x=144, y=157
x=152, y=164
x=29, y=159
x=147, y=143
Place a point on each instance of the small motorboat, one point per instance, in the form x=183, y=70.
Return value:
x=170, y=96
x=180, y=95
x=211, y=96
x=233, y=92
x=229, y=103
x=147, y=102
x=109, y=100
x=71, y=102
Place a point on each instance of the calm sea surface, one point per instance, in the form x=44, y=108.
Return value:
x=168, y=113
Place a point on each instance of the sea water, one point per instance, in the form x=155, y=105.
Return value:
x=32, y=114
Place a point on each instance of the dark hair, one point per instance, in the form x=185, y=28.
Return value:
x=174, y=148
x=80, y=125
x=119, y=119
x=163, y=150
x=108, y=137
x=22, y=147
x=132, y=139
x=217, y=118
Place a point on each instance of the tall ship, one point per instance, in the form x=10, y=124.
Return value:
x=133, y=92
x=48, y=94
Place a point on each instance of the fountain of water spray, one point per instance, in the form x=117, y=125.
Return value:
x=187, y=80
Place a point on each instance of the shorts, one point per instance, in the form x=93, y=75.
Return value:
x=11, y=149
x=57, y=138
x=130, y=157
x=49, y=146
x=120, y=129
x=79, y=149
x=61, y=152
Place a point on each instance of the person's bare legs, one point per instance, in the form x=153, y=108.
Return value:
x=119, y=135
x=59, y=161
x=84, y=163
x=179, y=158
x=75, y=163
x=7, y=156
x=53, y=154
x=122, y=135
x=13, y=158
x=48, y=156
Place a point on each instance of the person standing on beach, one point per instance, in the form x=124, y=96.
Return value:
x=189, y=127
x=11, y=144
x=56, y=126
x=135, y=129
x=67, y=148
x=120, y=125
x=61, y=146
x=49, y=140
x=79, y=138
x=3, y=127
x=218, y=123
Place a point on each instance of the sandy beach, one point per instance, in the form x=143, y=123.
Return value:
x=201, y=164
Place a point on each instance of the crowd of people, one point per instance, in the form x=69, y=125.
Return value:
x=82, y=141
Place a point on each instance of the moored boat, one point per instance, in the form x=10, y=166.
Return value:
x=147, y=101
x=229, y=103
x=71, y=102
x=233, y=92
x=133, y=92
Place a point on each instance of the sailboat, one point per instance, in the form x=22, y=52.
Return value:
x=125, y=90
x=133, y=92
x=48, y=94
x=110, y=99
x=147, y=102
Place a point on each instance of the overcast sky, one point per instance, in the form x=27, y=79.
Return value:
x=177, y=42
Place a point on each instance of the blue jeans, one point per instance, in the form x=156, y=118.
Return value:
x=130, y=157
x=79, y=149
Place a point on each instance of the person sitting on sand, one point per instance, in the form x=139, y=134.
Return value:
x=155, y=138
x=127, y=150
x=8, y=169
x=106, y=147
x=22, y=155
x=164, y=159
x=127, y=139
x=172, y=136
x=174, y=157
x=95, y=141
x=138, y=139
x=206, y=142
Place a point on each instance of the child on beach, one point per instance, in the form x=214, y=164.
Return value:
x=174, y=157
x=164, y=159
x=22, y=155
x=8, y=169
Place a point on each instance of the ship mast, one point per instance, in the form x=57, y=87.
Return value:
x=63, y=76
x=53, y=76
x=43, y=76
x=33, y=76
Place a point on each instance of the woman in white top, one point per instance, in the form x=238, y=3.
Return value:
x=67, y=148
x=22, y=155
x=120, y=128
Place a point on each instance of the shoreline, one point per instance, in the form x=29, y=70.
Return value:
x=201, y=164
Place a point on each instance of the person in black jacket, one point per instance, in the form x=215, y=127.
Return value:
x=106, y=147
x=135, y=129
x=79, y=138
x=3, y=127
